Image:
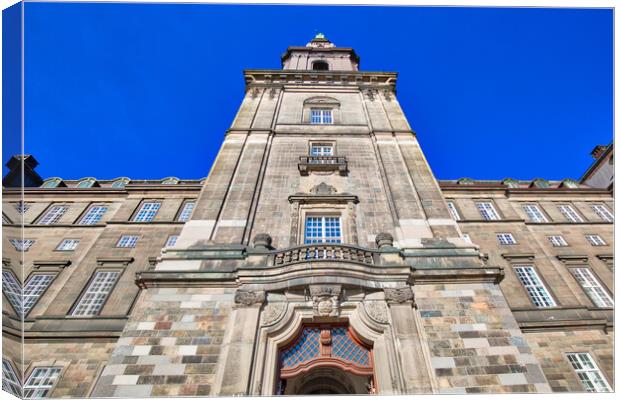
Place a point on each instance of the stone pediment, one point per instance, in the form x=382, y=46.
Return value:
x=323, y=192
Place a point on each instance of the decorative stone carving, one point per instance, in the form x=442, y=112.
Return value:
x=325, y=300
x=248, y=298
x=262, y=240
x=376, y=310
x=384, y=239
x=399, y=295
x=323, y=189
x=273, y=311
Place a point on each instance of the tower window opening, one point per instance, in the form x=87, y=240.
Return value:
x=320, y=66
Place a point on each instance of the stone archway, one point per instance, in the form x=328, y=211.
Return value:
x=325, y=359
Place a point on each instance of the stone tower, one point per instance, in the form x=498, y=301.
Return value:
x=321, y=257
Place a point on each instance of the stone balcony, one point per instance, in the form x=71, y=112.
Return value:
x=319, y=164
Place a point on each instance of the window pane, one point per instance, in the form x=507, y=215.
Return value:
x=12, y=290
x=533, y=213
x=188, y=207
x=453, y=211
x=592, y=287
x=172, y=240
x=34, y=288
x=40, y=382
x=591, y=377
x=534, y=286
x=94, y=215
x=10, y=381
x=147, y=212
x=21, y=245
x=53, y=215
x=570, y=214
x=127, y=241
x=68, y=245
x=506, y=239
x=557, y=241
x=322, y=230
x=487, y=211
x=603, y=212
x=93, y=298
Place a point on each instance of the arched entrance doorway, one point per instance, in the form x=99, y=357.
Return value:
x=325, y=359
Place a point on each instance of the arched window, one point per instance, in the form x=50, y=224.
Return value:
x=120, y=183
x=320, y=66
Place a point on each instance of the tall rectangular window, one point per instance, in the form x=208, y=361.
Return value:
x=533, y=213
x=127, y=241
x=453, y=211
x=94, y=215
x=595, y=240
x=534, y=286
x=591, y=377
x=602, y=212
x=12, y=289
x=53, y=215
x=34, y=288
x=147, y=212
x=172, y=240
x=506, y=239
x=592, y=287
x=21, y=245
x=21, y=207
x=96, y=293
x=557, y=241
x=10, y=381
x=322, y=149
x=186, y=212
x=487, y=211
x=40, y=382
x=321, y=116
x=68, y=245
x=569, y=213
x=322, y=229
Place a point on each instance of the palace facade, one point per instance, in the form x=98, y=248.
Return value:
x=320, y=256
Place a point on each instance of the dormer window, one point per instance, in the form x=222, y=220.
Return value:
x=85, y=183
x=321, y=116
x=320, y=66
x=120, y=183
x=170, y=181
x=51, y=183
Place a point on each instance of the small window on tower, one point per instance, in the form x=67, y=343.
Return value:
x=320, y=66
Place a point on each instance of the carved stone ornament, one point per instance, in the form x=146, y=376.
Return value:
x=376, y=310
x=398, y=295
x=273, y=311
x=323, y=189
x=384, y=239
x=325, y=300
x=262, y=240
x=248, y=298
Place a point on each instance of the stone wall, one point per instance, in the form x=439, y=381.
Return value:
x=170, y=346
x=550, y=349
x=475, y=343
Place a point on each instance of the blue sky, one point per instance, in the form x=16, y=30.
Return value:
x=148, y=90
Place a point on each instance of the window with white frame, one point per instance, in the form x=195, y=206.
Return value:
x=21, y=207
x=21, y=244
x=85, y=184
x=40, y=382
x=68, y=245
x=321, y=116
x=595, y=240
x=127, y=241
x=53, y=215
x=506, y=238
x=592, y=287
x=34, y=288
x=533, y=213
x=147, y=211
x=96, y=293
x=453, y=211
x=321, y=149
x=557, y=241
x=602, y=212
x=322, y=229
x=534, y=286
x=487, y=211
x=590, y=375
x=12, y=290
x=569, y=213
x=10, y=382
x=186, y=212
x=94, y=215
x=172, y=240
